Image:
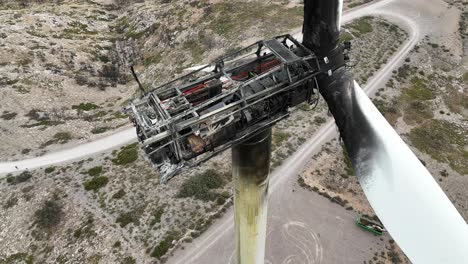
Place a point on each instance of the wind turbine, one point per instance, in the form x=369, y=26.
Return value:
x=234, y=101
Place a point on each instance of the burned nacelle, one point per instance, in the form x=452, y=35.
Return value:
x=190, y=119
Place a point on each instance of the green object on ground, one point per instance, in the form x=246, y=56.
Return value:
x=370, y=226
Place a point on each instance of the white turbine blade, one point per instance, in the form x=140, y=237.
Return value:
x=406, y=198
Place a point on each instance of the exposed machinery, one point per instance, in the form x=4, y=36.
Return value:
x=192, y=118
x=240, y=96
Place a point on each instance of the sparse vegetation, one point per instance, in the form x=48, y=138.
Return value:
x=76, y=28
x=59, y=138
x=418, y=91
x=279, y=137
x=8, y=115
x=164, y=246
x=100, y=130
x=455, y=100
x=465, y=78
x=201, y=185
x=43, y=123
x=86, y=230
x=444, y=142
x=319, y=120
x=49, y=170
x=416, y=112
x=23, y=177
x=126, y=155
x=233, y=17
x=96, y=183
x=348, y=164
x=389, y=110
x=345, y=36
x=154, y=59
x=10, y=202
x=49, y=215
x=95, y=171
x=129, y=260
x=119, y=194
x=130, y=217
x=85, y=107
x=361, y=26
x=18, y=258
x=157, y=216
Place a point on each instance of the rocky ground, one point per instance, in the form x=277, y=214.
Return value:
x=426, y=102
x=111, y=207
x=64, y=65
x=106, y=209
x=61, y=79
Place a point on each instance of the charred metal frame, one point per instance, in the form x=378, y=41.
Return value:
x=190, y=119
x=234, y=102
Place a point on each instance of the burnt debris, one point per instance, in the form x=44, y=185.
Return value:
x=190, y=119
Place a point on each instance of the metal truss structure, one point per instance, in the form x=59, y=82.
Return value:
x=190, y=119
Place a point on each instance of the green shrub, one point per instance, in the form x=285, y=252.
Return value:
x=49, y=170
x=23, y=177
x=25, y=151
x=99, y=130
x=119, y=115
x=85, y=107
x=279, y=137
x=157, y=216
x=126, y=218
x=45, y=123
x=84, y=231
x=77, y=233
x=60, y=137
x=348, y=164
x=96, y=183
x=220, y=200
x=126, y=155
x=164, y=246
x=345, y=36
x=18, y=258
x=128, y=260
x=304, y=107
x=320, y=120
x=8, y=115
x=95, y=171
x=465, y=78
x=49, y=215
x=121, y=193
x=404, y=71
x=199, y=186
